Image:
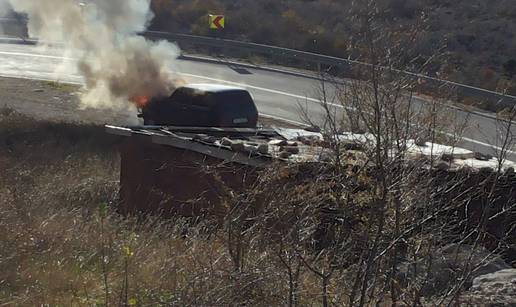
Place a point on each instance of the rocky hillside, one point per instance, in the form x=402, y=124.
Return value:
x=477, y=35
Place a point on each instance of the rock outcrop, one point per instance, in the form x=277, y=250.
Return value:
x=494, y=289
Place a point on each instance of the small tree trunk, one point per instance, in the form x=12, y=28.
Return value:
x=325, y=291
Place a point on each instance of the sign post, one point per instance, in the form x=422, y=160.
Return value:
x=217, y=23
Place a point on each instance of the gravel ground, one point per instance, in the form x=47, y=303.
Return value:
x=51, y=101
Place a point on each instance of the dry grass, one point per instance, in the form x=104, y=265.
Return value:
x=64, y=87
x=63, y=244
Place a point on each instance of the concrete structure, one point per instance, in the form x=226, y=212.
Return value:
x=190, y=171
x=170, y=180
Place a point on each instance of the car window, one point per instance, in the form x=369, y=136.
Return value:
x=192, y=97
x=203, y=100
x=235, y=101
x=181, y=95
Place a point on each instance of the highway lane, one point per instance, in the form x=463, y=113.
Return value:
x=276, y=94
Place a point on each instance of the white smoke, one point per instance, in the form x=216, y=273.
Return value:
x=116, y=63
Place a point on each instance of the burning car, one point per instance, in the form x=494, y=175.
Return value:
x=202, y=105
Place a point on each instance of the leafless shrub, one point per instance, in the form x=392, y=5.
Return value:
x=414, y=210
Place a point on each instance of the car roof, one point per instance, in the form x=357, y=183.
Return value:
x=212, y=88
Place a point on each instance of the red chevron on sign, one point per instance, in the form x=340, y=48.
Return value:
x=217, y=22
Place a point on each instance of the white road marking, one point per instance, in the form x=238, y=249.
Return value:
x=241, y=85
x=35, y=55
x=256, y=88
x=483, y=144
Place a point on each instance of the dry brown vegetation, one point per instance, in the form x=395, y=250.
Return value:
x=62, y=242
x=307, y=235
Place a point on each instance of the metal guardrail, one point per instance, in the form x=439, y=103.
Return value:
x=462, y=89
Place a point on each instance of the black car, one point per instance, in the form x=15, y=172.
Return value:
x=203, y=105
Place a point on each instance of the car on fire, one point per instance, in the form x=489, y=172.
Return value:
x=203, y=105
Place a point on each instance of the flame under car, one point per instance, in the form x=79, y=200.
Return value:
x=203, y=105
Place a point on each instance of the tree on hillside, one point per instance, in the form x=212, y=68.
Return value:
x=478, y=35
x=407, y=214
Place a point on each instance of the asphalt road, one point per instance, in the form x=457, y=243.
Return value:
x=277, y=94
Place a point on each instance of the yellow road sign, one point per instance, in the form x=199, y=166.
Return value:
x=217, y=22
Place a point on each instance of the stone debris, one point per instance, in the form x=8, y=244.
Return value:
x=205, y=138
x=447, y=157
x=447, y=153
x=278, y=143
x=253, y=149
x=298, y=145
x=497, y=288
x=284, y=154
x=238, y=146
x=483, y=157
x=263, y=149
x=294, y=134
x=483, y=165
x=448, y=265
x=503, y=279
x=309, y=140
x=291, y=149
x=226, y=142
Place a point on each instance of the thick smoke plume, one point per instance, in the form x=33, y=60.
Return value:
x=117, y=65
